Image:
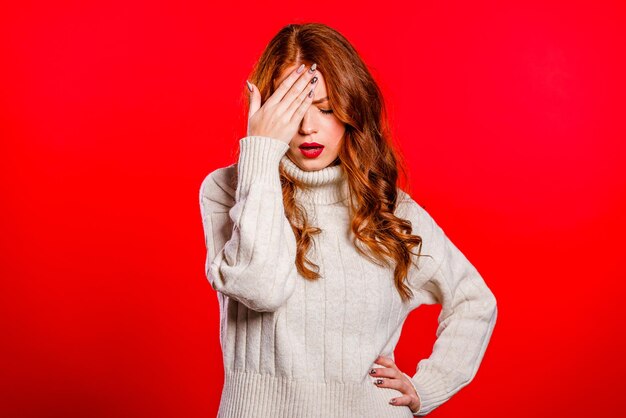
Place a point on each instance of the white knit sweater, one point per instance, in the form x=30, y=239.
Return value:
x=297, y=348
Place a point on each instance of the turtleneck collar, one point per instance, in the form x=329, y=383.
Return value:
x=326, y=186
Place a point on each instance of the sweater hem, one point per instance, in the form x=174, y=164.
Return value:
x=270, y=396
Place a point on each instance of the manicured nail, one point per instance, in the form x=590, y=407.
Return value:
x=313, y=67
x=392, y=401
x=311, y=93
x=314, y=80
x=379, y=381
x=300, y=68
x=249, y=86
x=372, y=371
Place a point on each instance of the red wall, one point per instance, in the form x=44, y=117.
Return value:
x=511, y=117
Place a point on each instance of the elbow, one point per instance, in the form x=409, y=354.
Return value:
x=490, y=312
x=486, y=306
x=262, y=296
x=256, y=302
x=494, y=313
x=491, y=308
x=489, y=301
x=272, y=297
x=266, y=304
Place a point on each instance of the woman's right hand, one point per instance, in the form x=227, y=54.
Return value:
x=281, y=114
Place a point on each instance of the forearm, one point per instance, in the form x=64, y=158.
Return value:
x=466, y=323
x=256, y=266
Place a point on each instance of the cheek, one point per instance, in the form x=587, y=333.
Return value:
x=338, y=132
x=334, y=128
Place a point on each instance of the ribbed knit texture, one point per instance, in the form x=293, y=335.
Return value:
x=298, y=348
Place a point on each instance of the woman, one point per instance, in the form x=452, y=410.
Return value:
x=318, y=257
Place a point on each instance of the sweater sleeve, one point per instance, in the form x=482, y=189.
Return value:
x=256, y=264
x=465, y=324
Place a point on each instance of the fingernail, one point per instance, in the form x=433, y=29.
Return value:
x=372, y=371
x=379, y=381
x=392, y=401
x=314, y=80
x=249, y=86
x=313, y=67
x=300, y=68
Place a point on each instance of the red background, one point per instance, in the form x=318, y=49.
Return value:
x=511, y=117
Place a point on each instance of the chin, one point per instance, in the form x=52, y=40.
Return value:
x=307, y=164
x=315, y=165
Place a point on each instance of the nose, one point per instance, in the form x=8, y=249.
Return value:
x=308, y=126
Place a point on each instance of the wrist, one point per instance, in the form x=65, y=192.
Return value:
x=259, y=159
x=416, y=404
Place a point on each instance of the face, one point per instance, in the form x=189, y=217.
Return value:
x=319, y=125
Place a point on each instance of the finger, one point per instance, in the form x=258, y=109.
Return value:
x=303, y=106
x=292, y=109
x=255, y=99
x=290, y=100
x=386, y=372
x=386, y=361
x=302, y=103
x=397, y=384
x=286, y=85
x=403, y=400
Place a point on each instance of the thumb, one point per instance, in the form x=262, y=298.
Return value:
x=254, y=98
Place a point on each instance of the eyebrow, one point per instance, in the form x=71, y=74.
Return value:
x=320, y=100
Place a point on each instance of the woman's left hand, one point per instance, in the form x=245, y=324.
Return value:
x=392, y=377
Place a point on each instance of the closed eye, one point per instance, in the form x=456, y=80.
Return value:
x=326, y=111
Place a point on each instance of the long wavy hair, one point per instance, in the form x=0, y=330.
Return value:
x=367, y=153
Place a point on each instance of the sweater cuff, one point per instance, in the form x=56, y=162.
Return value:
x=430, y=387
x=259, y=158
x=420, y=409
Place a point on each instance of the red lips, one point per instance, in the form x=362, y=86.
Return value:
x=311, y=149
x=310, y=145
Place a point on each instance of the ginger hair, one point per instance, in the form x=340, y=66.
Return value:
x=367, y=154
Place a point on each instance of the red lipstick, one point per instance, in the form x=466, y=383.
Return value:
x=311, y=149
